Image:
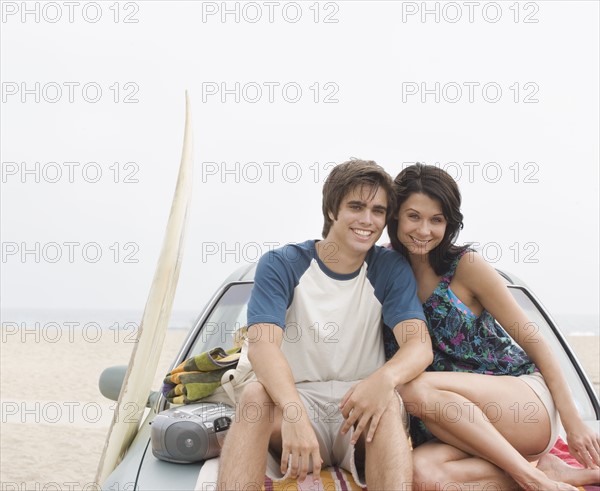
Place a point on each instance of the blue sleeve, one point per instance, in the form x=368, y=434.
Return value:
x=396, y=289
x=273, y=290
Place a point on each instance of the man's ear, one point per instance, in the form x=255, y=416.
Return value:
x=331, y=216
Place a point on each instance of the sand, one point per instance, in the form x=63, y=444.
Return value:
x=54, y=419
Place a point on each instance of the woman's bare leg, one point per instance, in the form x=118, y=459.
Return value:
x=439, y=466
x=497, y=418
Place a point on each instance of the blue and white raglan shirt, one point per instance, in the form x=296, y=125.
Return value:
x=332, y=322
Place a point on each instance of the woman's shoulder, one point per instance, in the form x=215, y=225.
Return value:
x=473, y=269
x=457, y=257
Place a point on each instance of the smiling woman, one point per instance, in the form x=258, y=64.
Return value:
x=485, y=355
x=422, y=224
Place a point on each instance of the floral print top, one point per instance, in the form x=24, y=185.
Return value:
x=463, y=341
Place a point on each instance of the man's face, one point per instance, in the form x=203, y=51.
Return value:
x=360, y=221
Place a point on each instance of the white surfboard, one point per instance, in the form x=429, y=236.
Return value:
x=151, y=333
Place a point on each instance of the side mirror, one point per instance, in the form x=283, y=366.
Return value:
x=153, y=398
x=111, y=381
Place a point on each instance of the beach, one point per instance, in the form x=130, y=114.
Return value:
x=54, y=419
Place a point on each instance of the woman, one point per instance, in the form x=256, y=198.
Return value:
x=481, y=436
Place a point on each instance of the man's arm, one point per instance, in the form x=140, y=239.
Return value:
x=415, y=353
x=272, y=370
x=364, y=404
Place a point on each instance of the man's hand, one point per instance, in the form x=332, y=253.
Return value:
x=299, y=442
x=365, y=403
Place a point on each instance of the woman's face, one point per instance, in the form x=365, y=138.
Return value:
x=421, y=224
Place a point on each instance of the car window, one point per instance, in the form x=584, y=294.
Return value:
x=540, y=324
x=226, y=317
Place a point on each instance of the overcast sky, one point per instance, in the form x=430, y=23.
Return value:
x=503, y=95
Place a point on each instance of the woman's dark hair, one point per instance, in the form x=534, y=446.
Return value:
x=439, y=186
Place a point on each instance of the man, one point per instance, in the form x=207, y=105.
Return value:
x=315, y=343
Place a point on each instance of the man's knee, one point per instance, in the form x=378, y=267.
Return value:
x=393, y=424
x=255, y=392
x=255, y=405
x=395, y=413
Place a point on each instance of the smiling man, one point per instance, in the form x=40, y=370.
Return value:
x=325, y=395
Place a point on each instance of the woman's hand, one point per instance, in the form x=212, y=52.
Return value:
x=584, y=444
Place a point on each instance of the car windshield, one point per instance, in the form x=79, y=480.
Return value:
x=226, y=317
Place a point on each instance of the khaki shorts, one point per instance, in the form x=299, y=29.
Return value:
x=321, y=400
x=538, y=385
